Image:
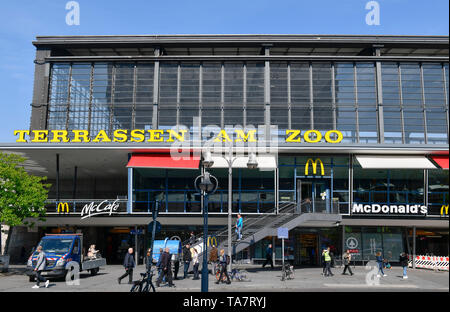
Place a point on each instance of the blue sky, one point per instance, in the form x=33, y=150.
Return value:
x=22, y=21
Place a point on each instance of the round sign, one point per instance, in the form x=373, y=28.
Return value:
x=158, y=227
x=352, y=243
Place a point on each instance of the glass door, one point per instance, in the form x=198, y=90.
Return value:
x=313, y=195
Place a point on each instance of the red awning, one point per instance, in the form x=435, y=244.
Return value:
x=442, y=161
x=165, y=161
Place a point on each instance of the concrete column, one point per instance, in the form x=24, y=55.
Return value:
x=130, y=191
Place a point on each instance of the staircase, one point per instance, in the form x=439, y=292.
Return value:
x=257, y=228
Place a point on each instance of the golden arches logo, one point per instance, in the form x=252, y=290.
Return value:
x=444, y=210
x=314, y=166
x=63, y=207
x=212, y=241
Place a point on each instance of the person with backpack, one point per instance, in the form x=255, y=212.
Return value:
x=41, y=264
x=224, y=260
x=347, y=258
x=404, y=263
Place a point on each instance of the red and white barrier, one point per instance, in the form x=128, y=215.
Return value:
x=430, y=262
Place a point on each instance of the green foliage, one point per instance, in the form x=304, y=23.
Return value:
x=22, y=195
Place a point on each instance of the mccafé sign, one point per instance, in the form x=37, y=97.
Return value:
x=158, y=135
x=377, y=209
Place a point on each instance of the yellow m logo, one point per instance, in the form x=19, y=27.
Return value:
x=444, y=210
x=62, y=207
x=212, y=241
x=314, y=165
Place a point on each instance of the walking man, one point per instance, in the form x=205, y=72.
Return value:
x=327, y=258
x=129, y=265
x=186, y=259
x=380, y=264
x=40, y=266
x=213, y=258
x=404, y=263
x=269, y=252
x=223, y=261
x=239, y=225
x=347, y=258
x=166, y=268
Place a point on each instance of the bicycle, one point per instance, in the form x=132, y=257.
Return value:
x=288, y=272
x=240, y=275
x=144, y=284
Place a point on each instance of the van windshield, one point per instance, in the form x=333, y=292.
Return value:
x=56, y=245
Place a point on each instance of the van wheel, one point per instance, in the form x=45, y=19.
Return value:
x=94, y=271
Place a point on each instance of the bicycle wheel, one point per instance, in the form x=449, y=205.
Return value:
x=243, y=276
x=136, y=288
x=148, y=286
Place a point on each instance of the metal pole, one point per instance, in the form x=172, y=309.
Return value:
x=230, y=201
x=282, y=252
x=154, y=215
x=136, y=244
x=57, y=177
x=205, y=272
x=414, y=248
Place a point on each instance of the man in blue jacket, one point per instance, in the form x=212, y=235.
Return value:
x=129, y=265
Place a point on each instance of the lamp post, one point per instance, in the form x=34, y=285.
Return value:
x=206, y=187
x=251, y=164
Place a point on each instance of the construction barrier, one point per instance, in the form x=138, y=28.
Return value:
x=430, y=262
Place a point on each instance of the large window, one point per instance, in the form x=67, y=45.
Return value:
x=437, y=190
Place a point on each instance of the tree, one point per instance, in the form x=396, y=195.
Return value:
x=22, y=196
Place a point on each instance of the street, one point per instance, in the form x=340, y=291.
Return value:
x=306, y=280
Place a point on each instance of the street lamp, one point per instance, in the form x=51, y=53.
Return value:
x=207, y=187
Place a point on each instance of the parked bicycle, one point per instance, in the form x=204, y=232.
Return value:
x=144, y=284
x=235, y=275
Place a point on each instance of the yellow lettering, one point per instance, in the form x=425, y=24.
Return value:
x=180, y=137
x=137, y=136
x=307, y=138
x=222, y=134
x=155, y=136
x=292, y=134
x=59, y=134
x=40, y=136
x=241, y=137
x=80, y=136
x=21, y=135
x=328, y=138
x=101, y=137
x=444, y=210
x=120, y=135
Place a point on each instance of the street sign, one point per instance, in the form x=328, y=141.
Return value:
x=139, y=232
x=283, y=233
x=158, y=227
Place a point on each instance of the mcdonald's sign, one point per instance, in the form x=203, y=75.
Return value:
x=63, y=207
x=314, y=166
x=444, y=210
x=212, y=241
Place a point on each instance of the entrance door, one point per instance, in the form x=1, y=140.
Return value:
x=313, y=195
x=308, y=249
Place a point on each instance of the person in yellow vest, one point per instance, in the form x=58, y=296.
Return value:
x=327, y=259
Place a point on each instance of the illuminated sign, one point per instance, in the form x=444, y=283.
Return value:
x=158, y=135
x=90, y=210
x=314, y=166
x=63, y=207
x=378, y=209
x=444, y=210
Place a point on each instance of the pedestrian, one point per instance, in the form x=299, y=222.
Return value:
x=166, y=268
x=404, y=263
x=327, y=258
x=192, y=239
x=239, y=225
x=129, y=265
x=380, y=263
x=176, y=265
x=186, y=259
x=158, y=263
x=41, y=264
x=195, y=263
x=324, y=264
x=149, y=260
x=223, y=261
x=213, y=257
x=347, y=258
x=269, y=253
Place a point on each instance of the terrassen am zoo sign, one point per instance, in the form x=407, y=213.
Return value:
x=158, y=135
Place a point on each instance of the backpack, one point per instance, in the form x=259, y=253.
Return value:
x=228, y=259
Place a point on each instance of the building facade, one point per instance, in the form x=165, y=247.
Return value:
x=353, y=126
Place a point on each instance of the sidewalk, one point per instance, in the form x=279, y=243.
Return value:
x=306, y=280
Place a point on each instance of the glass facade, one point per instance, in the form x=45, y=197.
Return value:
x=303, y=95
